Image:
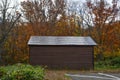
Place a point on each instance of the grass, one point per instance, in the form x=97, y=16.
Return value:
x=56, y=75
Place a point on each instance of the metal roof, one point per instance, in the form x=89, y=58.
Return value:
x=60, y=40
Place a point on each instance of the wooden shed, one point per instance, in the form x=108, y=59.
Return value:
x=62, y=52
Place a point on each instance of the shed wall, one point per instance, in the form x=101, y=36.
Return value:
x=70, y=57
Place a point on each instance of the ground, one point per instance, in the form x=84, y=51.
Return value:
x=60, y=74
x=56, y=75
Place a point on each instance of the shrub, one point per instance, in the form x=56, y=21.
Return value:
x=21, y=72
x=109, y=63
x=115, y=61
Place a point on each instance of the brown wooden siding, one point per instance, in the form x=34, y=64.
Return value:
x=70, y=57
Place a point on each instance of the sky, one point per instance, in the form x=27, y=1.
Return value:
x=72, y=0
x=75, y=0
x=17, y=2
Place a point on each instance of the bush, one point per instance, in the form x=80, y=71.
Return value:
x=111, y=63
x=115, y=61
x=21, y=72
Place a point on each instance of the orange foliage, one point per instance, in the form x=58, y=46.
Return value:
x=107, y=35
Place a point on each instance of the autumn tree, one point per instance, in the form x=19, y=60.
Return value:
x=75, y=14
x=101, y=15
x=8, y=18
x=16, y=45
x=53, y=23
x=42, y=14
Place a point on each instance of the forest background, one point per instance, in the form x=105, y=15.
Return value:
x=97, y=18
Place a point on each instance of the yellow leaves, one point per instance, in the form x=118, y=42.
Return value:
x=16, y=45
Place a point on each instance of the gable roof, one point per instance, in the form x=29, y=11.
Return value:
x=60, y=40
